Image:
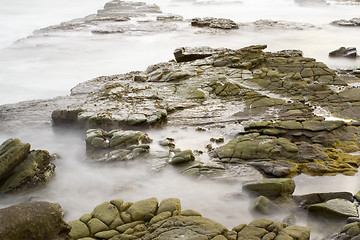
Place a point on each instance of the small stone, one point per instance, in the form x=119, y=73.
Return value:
x=95, y=226
x=78, y=229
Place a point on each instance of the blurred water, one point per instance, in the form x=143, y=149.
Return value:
x=49, y=66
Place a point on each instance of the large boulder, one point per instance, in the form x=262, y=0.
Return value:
x=21, y=167
x=34, y=220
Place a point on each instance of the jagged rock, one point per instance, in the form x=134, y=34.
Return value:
x=221, y=23
x=349, y=52
x=271, y=187
x=34, y=220
x=21, y=168
x=335, y=208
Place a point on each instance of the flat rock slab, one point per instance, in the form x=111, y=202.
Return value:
x=335, y=208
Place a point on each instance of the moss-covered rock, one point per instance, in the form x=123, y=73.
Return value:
x=271, y=187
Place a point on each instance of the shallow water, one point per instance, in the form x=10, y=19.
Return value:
x=48, y=66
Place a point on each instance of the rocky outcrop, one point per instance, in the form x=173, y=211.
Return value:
x=349, y=231
x=286, y=148
x=34, y=220
x=349, y=52
x=221, y=23
x=275, y=187
x=116, y=145
x=21, y=167
x=148, y=219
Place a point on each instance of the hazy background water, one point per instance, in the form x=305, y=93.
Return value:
x=49, y=66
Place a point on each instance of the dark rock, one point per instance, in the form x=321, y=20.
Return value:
x=180, y=56
x=354, y=22
x=305, y=201
x=182, y=157
x=65, y=116
x=34, y=220
x=221, y=23
x=349, y=52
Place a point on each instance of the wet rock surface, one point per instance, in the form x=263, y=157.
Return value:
x=214, y=23
x=354, y=22
x=349, y=52
x=148, y=219
x=34, y=220
x=22, y=168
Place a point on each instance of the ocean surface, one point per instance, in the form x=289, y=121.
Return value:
x=49, y=66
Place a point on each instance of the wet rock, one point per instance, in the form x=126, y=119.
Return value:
x=221, y=23
x=349, y=52
x=182, y=157
x=21, y=167
x=354, y=22
x=128, y=144
x=271, y=187
x=308, y=199
x=34, y=220
x=335, y=208
x=181, y=56
x=264, y=206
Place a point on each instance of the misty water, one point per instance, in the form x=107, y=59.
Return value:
x=46, y=66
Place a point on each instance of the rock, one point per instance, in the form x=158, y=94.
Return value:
x=264, y=206
x=182, y=157
x=121, y=138
x=172, y=205
x=165, y=222
x=297, y=232
x=308, y=199
x=21, y=168
x=349, y=52
x=34, y=220
x=78, y=229
x=335, y=208
x=214, y=23
x=354, y=22
x=106, y=212
x=181, y=56
x=143, y=210
x=271, y=187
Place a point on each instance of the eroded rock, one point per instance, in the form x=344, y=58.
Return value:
x=21, y=167
x=147, y=220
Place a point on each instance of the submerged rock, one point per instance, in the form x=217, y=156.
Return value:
x=34, y=220
x=147, y=219
x=21, y=167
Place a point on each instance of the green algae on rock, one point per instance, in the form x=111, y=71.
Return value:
x=149, y=220
x=21, y=167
